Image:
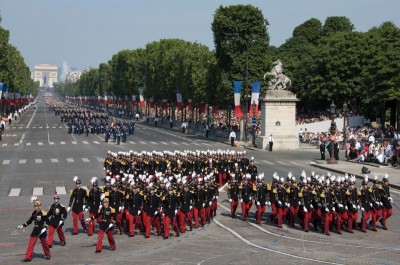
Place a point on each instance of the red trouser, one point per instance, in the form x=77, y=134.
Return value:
x=147, y=222
x=196, y=212
x=213, y=208
x=111, y=241
x=207, y=213
x=327, y=221
x=386, y=213
x=91, y=224
x=260, y=212
x=376, y=214
x=352, y=220
x=293, y=211
x=182, y=221
x=234, y=205
x=341, y=218
x=306, y=220
x=31, y=246
x=75, y=217
x=133, y=220
x=51, y=235
x=221, y=178
x=245, y=209
x=365, y=218
x=281, y=213
x=119, y=221
x=274, y=215
x=167, y=219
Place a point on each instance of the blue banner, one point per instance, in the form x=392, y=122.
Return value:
x=256, y=85
x=237, y=87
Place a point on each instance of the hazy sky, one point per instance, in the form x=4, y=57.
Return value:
x=89, y=32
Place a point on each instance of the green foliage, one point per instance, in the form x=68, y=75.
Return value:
x=337, y=24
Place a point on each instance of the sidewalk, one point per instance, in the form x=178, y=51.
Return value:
x=343, y=167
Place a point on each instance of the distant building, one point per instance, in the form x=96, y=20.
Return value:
x=46, y=74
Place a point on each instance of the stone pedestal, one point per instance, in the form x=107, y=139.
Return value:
x=278, y=117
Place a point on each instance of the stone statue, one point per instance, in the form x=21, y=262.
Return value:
x=278, y=81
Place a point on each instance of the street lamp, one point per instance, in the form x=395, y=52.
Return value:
x=253, y=107
x=344, y=125
x=332, y=129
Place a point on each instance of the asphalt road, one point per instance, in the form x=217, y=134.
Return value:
x=38, y=156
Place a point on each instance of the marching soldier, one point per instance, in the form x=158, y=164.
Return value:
x=306, y=200
x=106, y=223
x=281, y=202
x=170, y=210
x=233, y=195
x=215, y=192
x=246, y=196
x=352, y=205
x=134, y=199
x=39, y=218
x=387, y=202
x=340, y=206
x=93, y=203
x=365, y=203
x=57, y=215
x=377, y=204
x=116, y=200
x=260, y=198
x=199, y=203
x=78, y=199
x=293, y=199
x=151, y=206
x=327, y=200
x=185, y=211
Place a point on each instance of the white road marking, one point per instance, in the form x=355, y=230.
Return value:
x=22, y=161
x=60, y=127
x=54, y=160
x=174, y=143
x=4, y=144
x=37, y=191
x=267, y=162
x=38, y=161
x=294, y=163
x=33, y=127
x=40, y=143
x=6, y=162
x=33, y=115
x=14, y=192
x=41, y=127
x=86, y=160
x=96, y=142
x=100, y=159
x=142, y=142
x=131, y=142
x=22, y=138
x=74, y=142
x=84, y=187
x=53, y=127
x=61, y=190
x=153, y=142
x=62, y=142
x=16, y=144
x=85, y=142
x=28, y=144
x=70, y=160
x=51, y=143
x=164, y=143
x=282, y=163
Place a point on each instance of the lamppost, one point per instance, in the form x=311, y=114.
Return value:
x=344, y=125
x=253, y=107
x=332, y=129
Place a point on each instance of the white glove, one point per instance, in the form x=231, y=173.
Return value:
x=319, y=205
x=190, y=207
x=354, y=206
x=362, y=209
x=370, y=204
x=69, y=209
x=346, y=207
x=269, y=203
x=358, y=207
x=120, y=208
x=88, y=219
x=340, y=205
x=20, y=226
x=111, y=225
x=216, y=197
x=43, y=230
x=204, y=204
x=326, y=209
x=311, y=206
x=139, y=212
x=210, y=203
x=305, y=209
x=258, y=203
x=86, y=209
x=288, y=204
x=104, y=168
x=156, y=212
x=333, y=209
x=176, y=211
x=279, y=202
x=250, y=198
x=241, y=200
x=380, y=203
x=299, y=202
x=230, y=200
x=60, y=223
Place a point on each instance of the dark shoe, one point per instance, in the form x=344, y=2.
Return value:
x=339, y=232
x=374, y=229
x=63, y=243
x=90, y=234
x=47, y=257
x=50, y=246
x=74, y=233
x=191, y=228
x=350, y=231
x=120, y=232
x=364, y=231
x=27, y=260
x=84, y=230
x=306, y=231
x=131, y=235
x=177, y=235
x=112, y=249
x=328, y=234
x=97, y=251
x=384, y=228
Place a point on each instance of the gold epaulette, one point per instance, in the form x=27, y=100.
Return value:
x=44, y=213
x=300, y=194
x=359, y=192
x=322, y=195
x=314, y=192
x=288, y=190
x=70, y=192
x=347, y=192
x=87, y=193
x=369, y=189
x=254, y=187
x=269, y=187
x=127, y=197
x=274, y=191
x=112, y=210
x=107, y=193
x=240, y=187
x=229, y=187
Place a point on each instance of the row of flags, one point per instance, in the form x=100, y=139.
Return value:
x=237, y=88
x=12, y=98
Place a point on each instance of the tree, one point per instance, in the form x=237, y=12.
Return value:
x=337, y=24
x=310, y=30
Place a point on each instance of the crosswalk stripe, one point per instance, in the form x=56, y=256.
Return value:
x=51, y=143
x=70, y=160
x=6, y=162
x=267, y=162
x=174, y=143
x=74, y=142
x=153, y=142
x=96, y=142
x=37, y=191
x=185, y=143
x=164, y=143
x=28, y=144
x=61, y=190
x=41, y=127
x=142, y=142
x=54, y=160
x=16, y=144
x=14, y=192
x=86, y=160
x=281, y=162
x=40, y=143
x=85, y=142
x=294, y=163
x=131, y=142
x=54, y=127
x=62, y=142
x=38, y=161
x=22, y=161
x=4, y=144
x=60, y=127
x=34, y=127
x=100, y=159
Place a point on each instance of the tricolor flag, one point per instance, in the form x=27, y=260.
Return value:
x=1, y=89
x=237, y=89
x=141, y=97
x=133, y=101
x=151, y=100
x=178, y=99
x=255, y=95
